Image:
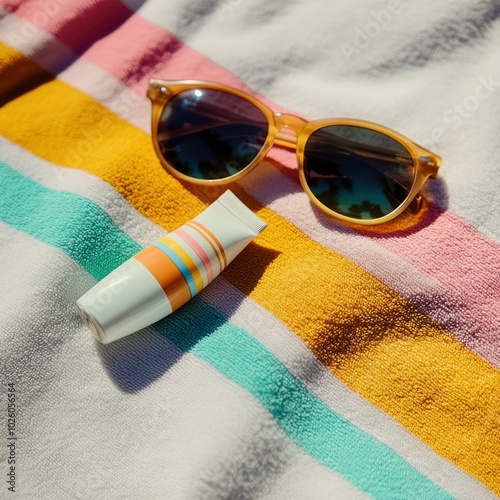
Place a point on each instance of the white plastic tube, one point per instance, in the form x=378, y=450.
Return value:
x=164, y=276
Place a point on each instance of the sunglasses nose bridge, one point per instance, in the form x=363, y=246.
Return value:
x=291, y=123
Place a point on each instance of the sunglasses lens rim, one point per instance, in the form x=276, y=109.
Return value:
x=220, y=151
x=395, y=174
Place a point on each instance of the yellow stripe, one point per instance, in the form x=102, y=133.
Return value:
x=370, y=337
x=19, y=75
x=188, y=261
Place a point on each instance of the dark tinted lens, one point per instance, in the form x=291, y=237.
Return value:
x=210, y=134
x=358, y=172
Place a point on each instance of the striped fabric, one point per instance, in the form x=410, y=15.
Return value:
x=326, y=361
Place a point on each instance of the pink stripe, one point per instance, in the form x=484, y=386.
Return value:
x=199, y=251
x=457, y=255
x=76, y=24
x=447, y=249
x=161, y=55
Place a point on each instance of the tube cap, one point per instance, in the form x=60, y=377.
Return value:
x=125, y=301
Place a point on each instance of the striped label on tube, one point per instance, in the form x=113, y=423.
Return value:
x=184, y=262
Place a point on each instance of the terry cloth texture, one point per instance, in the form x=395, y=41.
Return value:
x=327, y=361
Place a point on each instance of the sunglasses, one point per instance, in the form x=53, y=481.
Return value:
x=357, y=171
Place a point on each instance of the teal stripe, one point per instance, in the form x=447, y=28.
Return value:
x=68, y=221
x=184, y=270
x=64, y=220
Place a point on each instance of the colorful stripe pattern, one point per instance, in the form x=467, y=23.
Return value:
x=212, y=240
x=184, y=262
x=200, y=252
x=370, y=358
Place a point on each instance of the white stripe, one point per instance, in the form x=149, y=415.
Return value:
x=109, y=91
x=84, y=184
x=298, y=359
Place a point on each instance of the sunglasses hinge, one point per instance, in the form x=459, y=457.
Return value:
x=430, y=166
x=416, y=204
x=157, y=89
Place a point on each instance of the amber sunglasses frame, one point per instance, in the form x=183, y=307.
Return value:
x=426, y=162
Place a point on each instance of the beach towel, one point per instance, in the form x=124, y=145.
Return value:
x=328, y=361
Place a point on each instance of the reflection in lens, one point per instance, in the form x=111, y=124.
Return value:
x=357, y=172
x=210, y=134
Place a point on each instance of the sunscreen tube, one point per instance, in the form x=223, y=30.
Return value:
x=164, y=276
